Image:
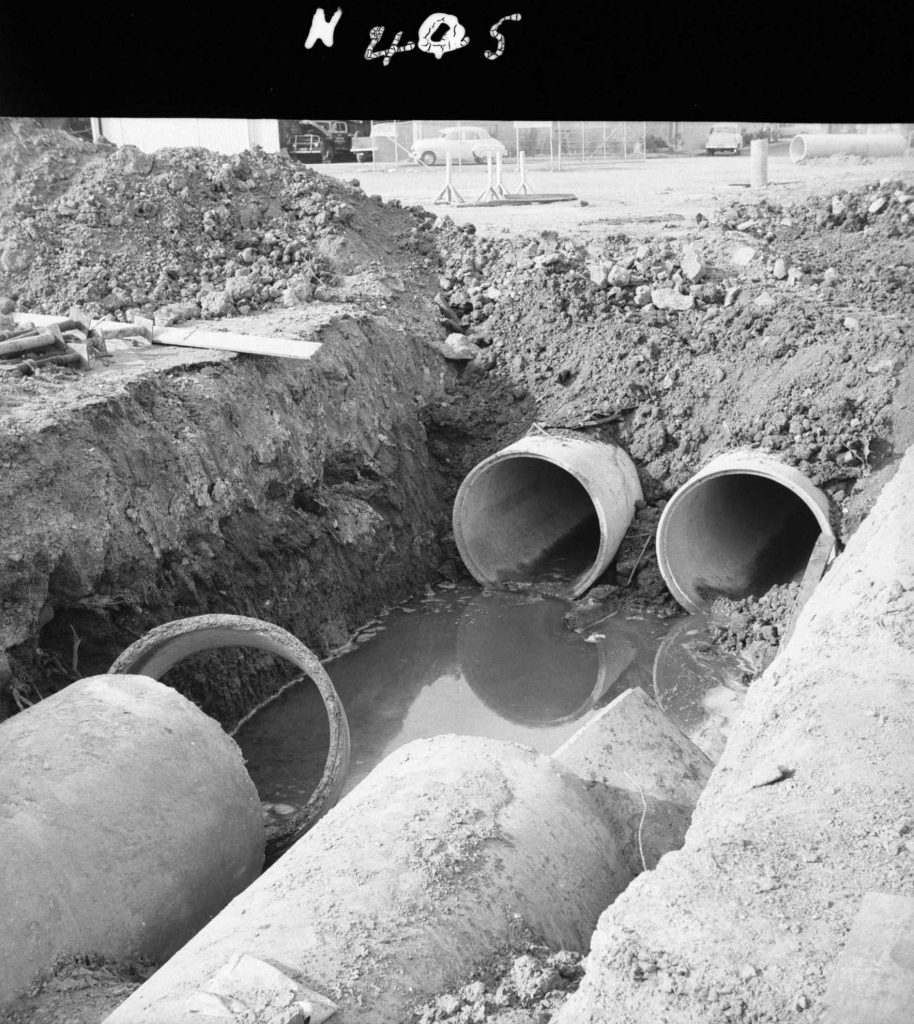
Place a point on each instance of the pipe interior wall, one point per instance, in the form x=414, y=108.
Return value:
x=738, y=535
x=520, y=510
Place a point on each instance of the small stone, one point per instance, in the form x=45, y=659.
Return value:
x=692, y=266
x=597, y=272
x=851, y=323
x=7, y=306
x=837, y=206
x=830, y=277
x=884, y=366
x=780, y=268
x=747, y=972
x=743, y=256
x=217, y=303
x=284, y=810
x=473, y=992
x=731, y=295
x=619, y=277
x=772, y=346
x=802, y=1002
x=876, y=205
x=767, y=884
x=518, y=393
x=456, y=348
x=642, y=295
x=764, y=301
x=669, y=298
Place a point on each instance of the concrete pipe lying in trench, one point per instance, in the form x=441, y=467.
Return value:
x=439, y=856
x=541, y=499
x=163, y=647
x=803, y=147
x=127, y=821
x=743, y=524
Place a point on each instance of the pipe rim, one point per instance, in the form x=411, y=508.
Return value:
x=583, y=581
x=709, y=473
x=165, y=646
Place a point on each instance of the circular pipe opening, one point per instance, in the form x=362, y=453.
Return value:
x=519, y=518
x=737, y=533
x=797, y=148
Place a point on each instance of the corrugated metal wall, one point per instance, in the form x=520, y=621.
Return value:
x=223, y=135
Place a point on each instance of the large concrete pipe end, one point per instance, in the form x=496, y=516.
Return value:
x=545, y=503
x=742, y=525
x=872, y=144
x=128, y=822
x=165, y=646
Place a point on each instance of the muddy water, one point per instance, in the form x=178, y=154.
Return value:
x=496, y=664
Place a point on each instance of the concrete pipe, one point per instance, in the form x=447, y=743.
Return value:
x=803, y=147
x=743, y=524
x=438, y=857
x=163, y=647
x=544, y=503
x=427, y=865
x=127, y=821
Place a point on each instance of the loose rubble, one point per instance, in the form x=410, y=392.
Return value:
x=524, y=986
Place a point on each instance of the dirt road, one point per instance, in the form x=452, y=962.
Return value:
x=641, y=195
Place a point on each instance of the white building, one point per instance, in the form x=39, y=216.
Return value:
x=221, y=134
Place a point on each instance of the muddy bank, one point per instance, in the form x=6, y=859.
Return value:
x=299, y=492
x=809, y=808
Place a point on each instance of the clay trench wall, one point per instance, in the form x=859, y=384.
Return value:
x=809, y=808
x=298, y=492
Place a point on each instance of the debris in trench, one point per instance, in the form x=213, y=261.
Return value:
x=523, y=986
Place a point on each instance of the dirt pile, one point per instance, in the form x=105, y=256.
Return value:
x=785, y=335
x=178, y=234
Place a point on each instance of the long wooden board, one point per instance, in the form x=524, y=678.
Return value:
x=226, y=341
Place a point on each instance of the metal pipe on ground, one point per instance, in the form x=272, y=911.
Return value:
x=804, y=147
x=743, y=524
x=444, y=852
x=524, y=504
x=128, y=821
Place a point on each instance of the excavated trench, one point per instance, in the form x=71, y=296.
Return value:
x=317, y=495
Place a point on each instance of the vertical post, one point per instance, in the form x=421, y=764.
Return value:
x=559, y=130
x=625, y=140
x=459, y=145
x=644, y=140
x=758, y=175
x=551, y=153
x=604, y=141
x=582, y=142
x=447, y=170
x=517, y=144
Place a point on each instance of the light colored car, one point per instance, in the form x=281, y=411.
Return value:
x=724, y=138
x=464, y=144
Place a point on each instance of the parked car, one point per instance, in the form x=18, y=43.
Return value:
x=464, y=144
x=724, y=138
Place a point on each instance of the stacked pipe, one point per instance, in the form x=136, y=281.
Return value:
x=27, y=348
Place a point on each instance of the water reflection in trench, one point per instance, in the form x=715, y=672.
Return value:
x=493, y=664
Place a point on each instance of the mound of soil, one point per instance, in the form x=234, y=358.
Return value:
x=178, y=234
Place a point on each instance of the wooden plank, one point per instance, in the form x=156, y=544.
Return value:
x=226, y=341
x=873, y=982
x=815, y=568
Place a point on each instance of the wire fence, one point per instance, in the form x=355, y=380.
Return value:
x=560, y=142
